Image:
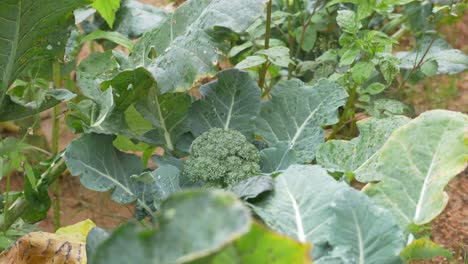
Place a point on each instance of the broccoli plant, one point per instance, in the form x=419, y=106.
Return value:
x=222, y=158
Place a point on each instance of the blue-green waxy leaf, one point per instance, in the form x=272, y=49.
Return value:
x=187, y=46
x=168, y=115
x=362, y=231
x=343, y=224
x=95, y=237
x=102, y=167
x=296, y=113
x=231, y=102
x=299, y=205
x=253, y=186
x=191, y=224
x=449, y=60
x=135, y=18
x=158, y=184
x=355, y=155
x=416, y=163
x=278, y=157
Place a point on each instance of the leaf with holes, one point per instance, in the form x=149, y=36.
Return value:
x=356, y=155
x=188, y=44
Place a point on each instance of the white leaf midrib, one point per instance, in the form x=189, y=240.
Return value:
x=297, y=214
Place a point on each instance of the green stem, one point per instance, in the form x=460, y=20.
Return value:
x=348, y=109
x=417, y=64
x=17, y=209
x=264, y=68
x=55, y=143
x=290, y=39
x=7, y=192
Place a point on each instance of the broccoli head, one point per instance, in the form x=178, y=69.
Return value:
x=221, y=158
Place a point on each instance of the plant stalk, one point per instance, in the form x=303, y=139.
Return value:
x=7, y=192
x=17, y=209
x=55, y=143
x=348, y=107
x=264, y=68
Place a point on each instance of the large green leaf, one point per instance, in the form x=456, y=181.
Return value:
x=168, y=116
x=187, y=45
x=102, y=167
x=231, y=102
x=192, y=224
x=253, y=186
x=135, y=18
x=159, y=184
x=417, y=162
x=277, y=157
x=167, y=113
x=355, y=155
x=270, y=248
x=31, y=30
x=362, y=231
x=449, y=60
x=296, y=114
x=299, y=205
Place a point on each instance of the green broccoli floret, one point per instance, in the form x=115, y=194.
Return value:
x=221, y=158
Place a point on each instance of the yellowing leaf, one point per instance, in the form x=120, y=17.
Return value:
x=78, y=231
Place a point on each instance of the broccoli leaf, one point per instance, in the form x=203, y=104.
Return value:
x=449, y=60
x=278, y=157
x=342, y=223
x=188, y=44
x=135, y=18
x=296, y=113
x=362, y=231
x=253, y=186
x=231, y=102
x=102, y=167
x=192, y=224
x=270, y=248
x=416, y=163
x=355, y=155
x=299, y=206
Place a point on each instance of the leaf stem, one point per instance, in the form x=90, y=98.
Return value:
x=347, y=109
x=264, y=68
x=417, y=65
x=290, y=39
x=55, y=143
x=17, y=209
x=7, y=192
